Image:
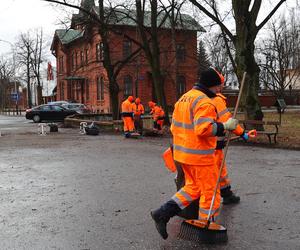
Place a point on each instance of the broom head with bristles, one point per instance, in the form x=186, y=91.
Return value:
x=203, y=231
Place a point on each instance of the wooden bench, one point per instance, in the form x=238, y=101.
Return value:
x=249, y=124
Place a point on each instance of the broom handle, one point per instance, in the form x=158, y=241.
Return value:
x=228, y=134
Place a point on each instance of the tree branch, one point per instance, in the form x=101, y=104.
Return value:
x=268, y=17
x=214, y=18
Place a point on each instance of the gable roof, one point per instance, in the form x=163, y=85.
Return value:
x=68, y=35
x=118, y=16
x=121, y=16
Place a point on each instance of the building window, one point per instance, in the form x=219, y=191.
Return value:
x=180, y=52
x=127, y=86
x=61, y=64
x=126, y=48
x=99, y=51
x=62, y=90
x=76, y=60
x=73, y=61
x=86, y=56
x=100, y=88
x=87, y=89
x=180, y=85
x=81, y=58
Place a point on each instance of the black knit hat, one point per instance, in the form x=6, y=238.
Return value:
x=210, y=78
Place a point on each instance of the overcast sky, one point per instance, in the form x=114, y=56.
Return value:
x=18, y=16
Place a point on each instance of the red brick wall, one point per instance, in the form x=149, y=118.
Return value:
x=138, y=70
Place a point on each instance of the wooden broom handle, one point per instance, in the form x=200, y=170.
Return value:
x=228, y=135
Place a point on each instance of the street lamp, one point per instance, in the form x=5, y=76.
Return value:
x=14, y=72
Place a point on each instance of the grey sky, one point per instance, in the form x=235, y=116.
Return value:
x=18, y=16
x=21, y=15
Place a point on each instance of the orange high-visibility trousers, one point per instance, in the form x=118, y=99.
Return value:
x=200, y=181
x=224, y=180
x=128, y=124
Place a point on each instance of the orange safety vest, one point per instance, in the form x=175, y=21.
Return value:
x=127, y=108
x=157, y=113
x=194, y=129
x=138, y=109
x=224, y=114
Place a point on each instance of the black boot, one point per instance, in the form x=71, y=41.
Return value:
x=162, y=216
x=229, y=197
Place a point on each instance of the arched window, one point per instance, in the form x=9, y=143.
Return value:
x=87, y=89
x=126, y=48
x=62, y=90
x=100, y=88
x=180, y=85
x=127, y=86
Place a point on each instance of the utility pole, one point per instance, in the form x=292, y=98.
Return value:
x=14, y=72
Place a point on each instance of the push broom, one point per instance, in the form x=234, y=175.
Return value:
x=203, y=230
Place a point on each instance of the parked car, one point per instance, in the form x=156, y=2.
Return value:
x=48, y=112
x=58, y=103
x=79, y=107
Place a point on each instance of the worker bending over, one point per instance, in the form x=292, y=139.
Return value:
x=158, y=115
x=195, y=130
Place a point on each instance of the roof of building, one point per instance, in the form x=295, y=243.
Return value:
x=122, y=16
x=119, y=16
x=68, y=35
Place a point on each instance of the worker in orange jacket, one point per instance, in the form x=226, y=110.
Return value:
x=158, y=115
x=195, y=130
x=223, y=115
x=138, y=110
x=127, y=113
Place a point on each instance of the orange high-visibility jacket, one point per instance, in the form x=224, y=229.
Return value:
x=127, y=108
x=138, y=109
x=194, y=129
x=157, y=112
x=224, y=114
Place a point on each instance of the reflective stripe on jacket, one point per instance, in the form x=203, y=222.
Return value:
x=194, y=129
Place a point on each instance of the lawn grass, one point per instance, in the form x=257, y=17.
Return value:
x=289, y=130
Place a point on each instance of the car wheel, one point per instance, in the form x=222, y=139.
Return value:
x=36, y=118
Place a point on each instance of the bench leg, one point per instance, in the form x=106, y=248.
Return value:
x=275, y=138
x=270, y=141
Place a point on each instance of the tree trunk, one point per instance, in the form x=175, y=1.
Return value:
x=39, y=90
x=246, y=62
x=29, y=101
x=114, y=98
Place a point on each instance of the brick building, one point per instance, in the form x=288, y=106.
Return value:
x=81, y=76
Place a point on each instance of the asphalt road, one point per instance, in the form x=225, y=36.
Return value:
x=72, y=191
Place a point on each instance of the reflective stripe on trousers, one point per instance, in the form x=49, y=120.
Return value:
x=200, y=182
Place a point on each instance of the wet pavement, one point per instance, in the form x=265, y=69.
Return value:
x=71, y=191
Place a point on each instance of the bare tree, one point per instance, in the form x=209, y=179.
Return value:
x=281, y=55
x=6, y=74
x=36, y=61
x=152, y=49
x=203, y=58
x=245, y=13
x=218, y=55
x=24, y=47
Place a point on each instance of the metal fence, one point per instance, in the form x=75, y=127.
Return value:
x=12, y=112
